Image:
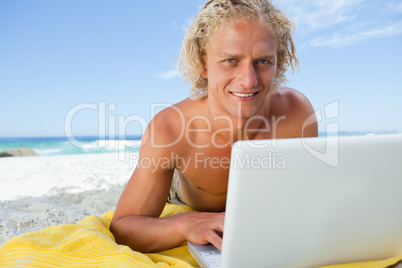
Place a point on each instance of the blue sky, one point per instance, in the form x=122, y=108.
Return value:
x=55, y=55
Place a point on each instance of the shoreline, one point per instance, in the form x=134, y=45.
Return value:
x=41, y=191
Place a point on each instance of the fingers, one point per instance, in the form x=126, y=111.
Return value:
x=214, y=236
x=214, y=239
x=221, y=223
x=202, y=228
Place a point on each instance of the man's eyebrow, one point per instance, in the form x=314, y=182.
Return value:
x=267, y=56
x=229, y=55
x=237, y=56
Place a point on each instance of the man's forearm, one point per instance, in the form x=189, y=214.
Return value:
x=147, y=234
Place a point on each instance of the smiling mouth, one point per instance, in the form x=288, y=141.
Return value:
x=242, y=95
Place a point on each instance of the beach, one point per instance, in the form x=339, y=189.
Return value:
x=41, y=191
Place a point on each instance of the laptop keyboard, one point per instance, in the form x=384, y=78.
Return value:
x=213, y=257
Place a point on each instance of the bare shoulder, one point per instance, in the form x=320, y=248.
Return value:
x=284, y=98
x=167, y=127
x=296, y=111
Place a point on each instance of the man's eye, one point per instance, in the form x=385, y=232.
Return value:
x=263, y=61
x=230, y=60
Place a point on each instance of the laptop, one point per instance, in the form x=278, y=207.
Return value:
x=311, y=202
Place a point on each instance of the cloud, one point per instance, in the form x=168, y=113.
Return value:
x=184, y=25
x=339, y=23
x=338, y=40
x=168, y=74
x=395, y=7
x=319, y=14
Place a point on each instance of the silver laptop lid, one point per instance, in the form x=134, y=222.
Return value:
x=313, y=202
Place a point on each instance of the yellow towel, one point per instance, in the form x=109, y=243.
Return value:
x=89, y=243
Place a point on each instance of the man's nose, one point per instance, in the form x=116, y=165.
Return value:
x=247, y=76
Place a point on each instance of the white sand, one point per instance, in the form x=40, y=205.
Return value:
x=40, y=191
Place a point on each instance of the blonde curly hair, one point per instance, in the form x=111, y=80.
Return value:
x=217, y=13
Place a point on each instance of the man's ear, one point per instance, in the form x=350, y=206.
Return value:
x=205, y=73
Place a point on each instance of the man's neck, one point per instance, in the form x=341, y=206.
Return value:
x=231, y=128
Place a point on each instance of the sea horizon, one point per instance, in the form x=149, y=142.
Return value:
x=91, y=144
x=62, y=145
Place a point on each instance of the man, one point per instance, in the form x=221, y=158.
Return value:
x=235, y=54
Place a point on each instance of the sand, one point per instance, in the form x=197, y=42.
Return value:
x=40, y=191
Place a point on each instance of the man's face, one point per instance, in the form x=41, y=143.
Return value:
x=240, y=68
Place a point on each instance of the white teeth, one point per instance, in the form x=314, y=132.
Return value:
x=242, y=95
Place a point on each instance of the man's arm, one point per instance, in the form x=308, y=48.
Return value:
x=137, y=225
x=136, y=221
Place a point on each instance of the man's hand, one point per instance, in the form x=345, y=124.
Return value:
x=202, y=228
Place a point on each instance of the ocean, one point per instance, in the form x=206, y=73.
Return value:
x=92, y=144
x=66, y=146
